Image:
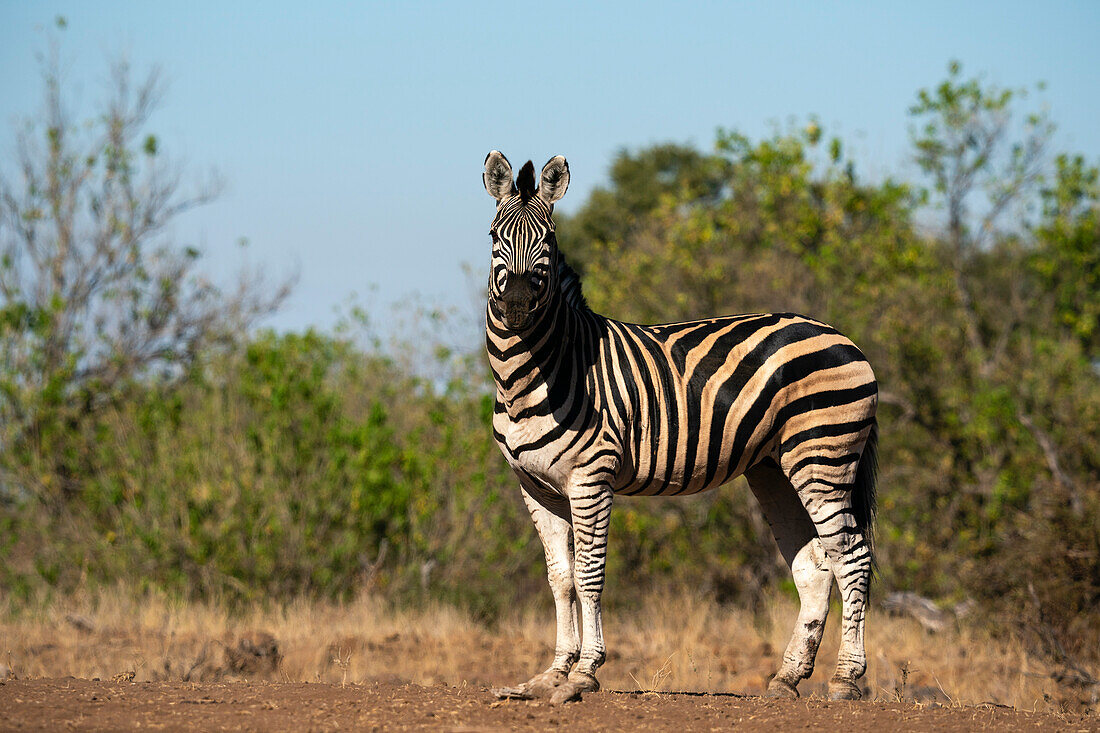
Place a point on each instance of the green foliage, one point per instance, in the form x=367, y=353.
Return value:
x=639, y=185
x=297, y=465
x=1067, y=259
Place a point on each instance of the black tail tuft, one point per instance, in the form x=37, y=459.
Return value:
x=863, y=493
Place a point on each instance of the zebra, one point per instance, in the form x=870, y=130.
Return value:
x=587, y=407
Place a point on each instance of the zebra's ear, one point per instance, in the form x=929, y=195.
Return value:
x=498, y=176
x=555, y=179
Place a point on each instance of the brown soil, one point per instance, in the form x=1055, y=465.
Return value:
x=89, y=705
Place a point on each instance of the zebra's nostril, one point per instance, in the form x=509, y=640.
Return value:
x=518, y=287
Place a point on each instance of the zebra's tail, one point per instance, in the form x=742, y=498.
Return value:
x=863, y=492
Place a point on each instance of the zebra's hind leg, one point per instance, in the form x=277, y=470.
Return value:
x=557, y=541
x=826, y=492
x=813, y=577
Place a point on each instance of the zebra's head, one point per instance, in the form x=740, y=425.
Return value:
x=523, y=278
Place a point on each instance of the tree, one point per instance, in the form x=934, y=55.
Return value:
x=639, y=183
x=965, y=145
x=1023, y=394
x=1067, y=255
x=93, y=291
x=966, y=142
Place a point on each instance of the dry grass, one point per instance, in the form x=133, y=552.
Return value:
x=674, y=643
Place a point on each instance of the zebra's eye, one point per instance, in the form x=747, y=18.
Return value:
x=537, y=280
x=493, y=235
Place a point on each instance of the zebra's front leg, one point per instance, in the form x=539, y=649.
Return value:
x=557, y=543
x=590, y=506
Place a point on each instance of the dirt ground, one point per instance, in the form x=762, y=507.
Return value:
x=89, y=705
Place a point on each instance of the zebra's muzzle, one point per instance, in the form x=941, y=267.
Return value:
x=517, y=315
x=518, y=303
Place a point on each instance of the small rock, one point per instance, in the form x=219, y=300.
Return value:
x=925, y=611
x=255, y=652
x=83, y=624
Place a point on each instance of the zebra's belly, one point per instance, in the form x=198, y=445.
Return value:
x=685, y=456
x=652, y=475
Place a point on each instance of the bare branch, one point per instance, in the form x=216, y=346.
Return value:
x=84, y=255
x=1050, y=453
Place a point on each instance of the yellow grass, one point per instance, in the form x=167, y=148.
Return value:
x=672, y=644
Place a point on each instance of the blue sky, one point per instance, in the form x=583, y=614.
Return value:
x=351, y=135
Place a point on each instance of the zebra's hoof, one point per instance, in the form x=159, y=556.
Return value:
x=584, y=681
x=545, y=684
x=571, y=689
x=781, y=690
x=566, y=692
x=511, y=693
x=844, y=690
x=541, y=685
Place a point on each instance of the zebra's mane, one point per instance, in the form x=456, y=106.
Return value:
x=525, y=181
x=570, y=284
